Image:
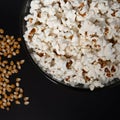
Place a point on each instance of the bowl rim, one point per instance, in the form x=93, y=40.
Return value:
x=23, y=13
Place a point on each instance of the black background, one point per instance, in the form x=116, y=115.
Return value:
x=49, y=101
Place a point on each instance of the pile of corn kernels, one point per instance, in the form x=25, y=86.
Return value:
x=10, y=90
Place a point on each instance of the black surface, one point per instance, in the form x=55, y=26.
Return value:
x=49, y=101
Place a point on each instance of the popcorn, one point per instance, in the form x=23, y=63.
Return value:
x=70, y=15
x=48, y=2
x=76, y=41
x=108, y=51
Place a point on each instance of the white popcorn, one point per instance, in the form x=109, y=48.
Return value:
x=52, y=22
x=75, y=3
x=118, y=57
x=48, y=2
x=117, y=47
x=75, y=41
x=35, y=5
x=108, y=51
x=70, y=15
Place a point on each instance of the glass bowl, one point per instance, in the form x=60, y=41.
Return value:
x=25, y=11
